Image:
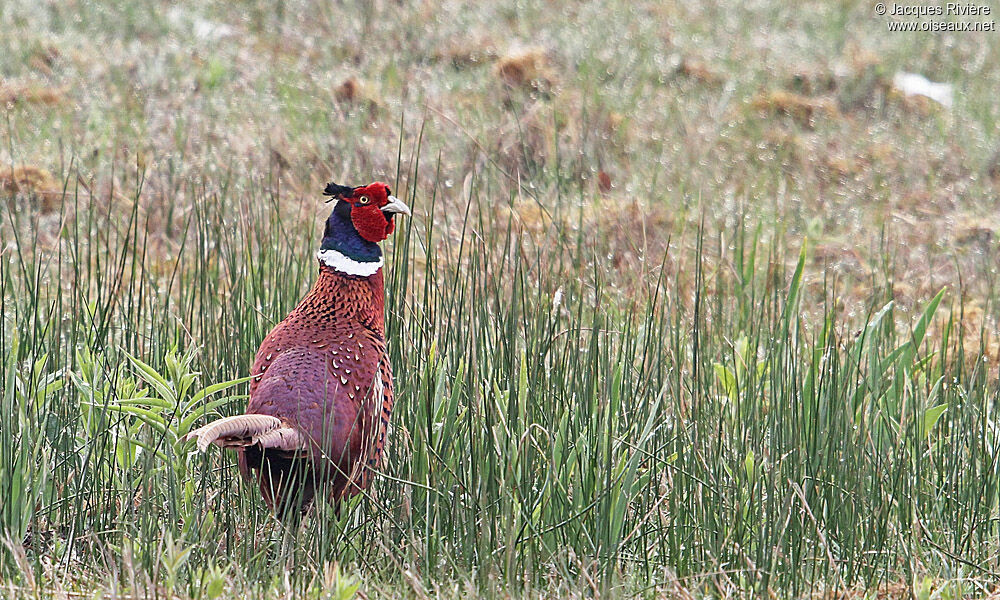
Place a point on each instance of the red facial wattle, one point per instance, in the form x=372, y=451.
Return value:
x=366, y=212
x=372, y=208
x=371, y=222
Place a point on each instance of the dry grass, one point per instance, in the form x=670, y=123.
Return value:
x=804, y=109
x=467, y=53
x=353, y=92
x=672, y=119
x=993, y=167
x=700, y=71
x=527, y=69
x=34, y=183
x=670, y=109
x=31, y=93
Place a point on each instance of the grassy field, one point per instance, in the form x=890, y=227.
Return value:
x=694, y=302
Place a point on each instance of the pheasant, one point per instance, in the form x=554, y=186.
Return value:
x=321, y=389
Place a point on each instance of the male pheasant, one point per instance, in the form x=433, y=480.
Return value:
x=321, y=391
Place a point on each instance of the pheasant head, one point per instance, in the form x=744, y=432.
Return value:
x=361, y=217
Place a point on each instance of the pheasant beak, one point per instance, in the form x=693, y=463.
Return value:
x=396, y=205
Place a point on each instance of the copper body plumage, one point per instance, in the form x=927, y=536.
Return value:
x=321, y=390
x=325, y=370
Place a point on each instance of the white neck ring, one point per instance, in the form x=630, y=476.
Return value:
x=339, y=262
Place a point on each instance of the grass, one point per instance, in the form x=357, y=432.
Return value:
x=757, y=356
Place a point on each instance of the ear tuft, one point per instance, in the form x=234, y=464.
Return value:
x=337, y=191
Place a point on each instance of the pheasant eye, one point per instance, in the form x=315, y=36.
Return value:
x=364, y=200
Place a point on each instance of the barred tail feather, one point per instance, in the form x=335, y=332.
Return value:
x=284, y=438
x=245, y=430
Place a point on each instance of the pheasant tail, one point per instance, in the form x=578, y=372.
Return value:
x=241, y=431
